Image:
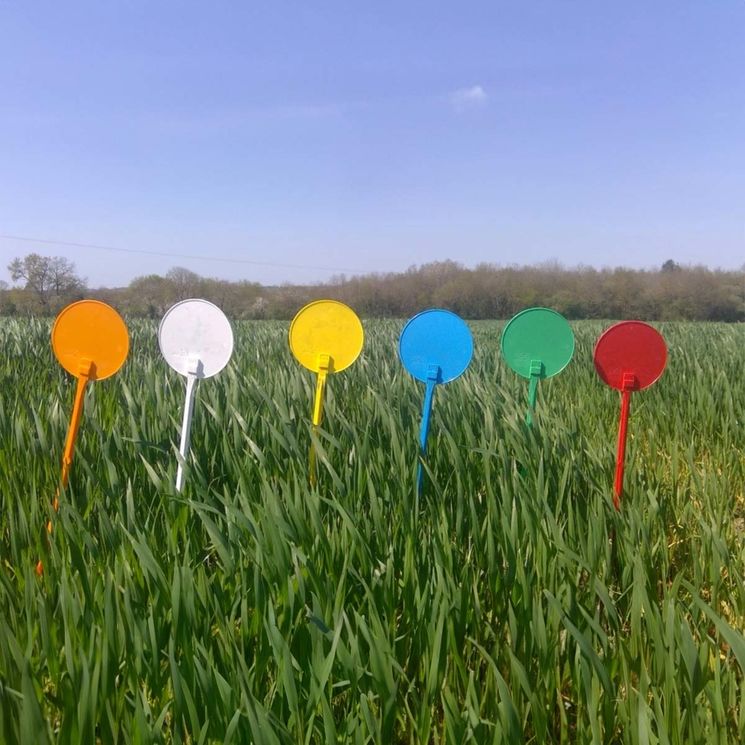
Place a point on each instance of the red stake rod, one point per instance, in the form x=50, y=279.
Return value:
x=629, y=382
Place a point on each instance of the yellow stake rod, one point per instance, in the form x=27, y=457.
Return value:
x=324, y=367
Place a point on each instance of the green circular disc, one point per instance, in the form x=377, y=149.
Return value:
x=538, y=335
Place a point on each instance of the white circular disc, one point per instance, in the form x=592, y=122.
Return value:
x=193, y=330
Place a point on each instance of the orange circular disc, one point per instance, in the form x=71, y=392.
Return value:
x=90, y=331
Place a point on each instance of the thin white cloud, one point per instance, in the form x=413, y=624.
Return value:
x=468, y=98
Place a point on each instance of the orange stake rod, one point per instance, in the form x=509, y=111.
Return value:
x=86, y=370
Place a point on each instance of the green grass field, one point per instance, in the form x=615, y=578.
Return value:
x=495, y=608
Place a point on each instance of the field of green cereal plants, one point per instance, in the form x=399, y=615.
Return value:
x=509, y=603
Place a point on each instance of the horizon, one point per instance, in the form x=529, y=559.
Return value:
x=340, y=278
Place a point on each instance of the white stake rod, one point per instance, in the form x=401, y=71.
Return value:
x=191, y=387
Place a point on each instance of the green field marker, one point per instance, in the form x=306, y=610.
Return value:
x=537, y=343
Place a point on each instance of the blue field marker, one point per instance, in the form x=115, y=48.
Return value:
x=435, y=347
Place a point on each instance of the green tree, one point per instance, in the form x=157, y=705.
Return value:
x=149, y=296
x=184, y=283
x=49, y=281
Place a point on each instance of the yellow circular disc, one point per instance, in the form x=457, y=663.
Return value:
x=90, y=331
x=326, y=327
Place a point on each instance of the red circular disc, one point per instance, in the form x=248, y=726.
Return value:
x=630, y=348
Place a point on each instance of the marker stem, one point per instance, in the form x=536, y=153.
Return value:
x=191, y=387
x=629, y=382
x=433, y=376
x=536, y=373
x=324, y=366
x=320, y=395
x=86, y=368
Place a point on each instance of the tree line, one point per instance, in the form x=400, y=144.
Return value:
x=44, y=285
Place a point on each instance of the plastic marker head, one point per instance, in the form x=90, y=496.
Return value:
x=629, y=356
x=537, y=343
x=326, y=329
x=90, y=334
x=630, y=348
x=196, y=340
x=436, y=337
x=435, y=347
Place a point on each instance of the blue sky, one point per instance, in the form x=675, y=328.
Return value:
x=370, y=137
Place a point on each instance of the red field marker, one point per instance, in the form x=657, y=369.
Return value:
x=629, y=356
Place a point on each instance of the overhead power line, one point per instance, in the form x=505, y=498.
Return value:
x=222, y=259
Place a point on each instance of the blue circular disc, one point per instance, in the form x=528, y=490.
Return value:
x=436, y=337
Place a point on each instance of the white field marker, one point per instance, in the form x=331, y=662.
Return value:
x=196, y=340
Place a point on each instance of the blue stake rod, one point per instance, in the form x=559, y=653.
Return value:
x=433, y=378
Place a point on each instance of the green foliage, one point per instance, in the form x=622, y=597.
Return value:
x=485, y=292
x=508, y=604
x=48, y=284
